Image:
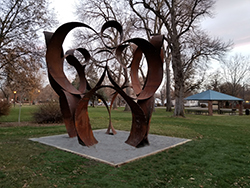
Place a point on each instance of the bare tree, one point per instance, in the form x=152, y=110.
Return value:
x=21, y=21
x=101, y=11
x=47, y=94
x=246, y=92
x=214, y=81
x=168, y=81
x=236, y=71
x=151, y=24
x=23, y=77
x=180, y=21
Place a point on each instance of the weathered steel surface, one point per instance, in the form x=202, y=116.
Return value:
x=74, y=102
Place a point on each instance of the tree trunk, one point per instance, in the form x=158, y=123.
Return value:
x=118, y=82
x=114, y=106
x=127, y=108
x=168, y=90
x=179, y=105
x=179, y=80
x=93, y=102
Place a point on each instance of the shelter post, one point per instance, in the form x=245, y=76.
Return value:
x=241, y=108
x=219, y=103
x=210, y=108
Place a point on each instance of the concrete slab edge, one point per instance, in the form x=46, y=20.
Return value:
x=114, y=164
x=152, y=153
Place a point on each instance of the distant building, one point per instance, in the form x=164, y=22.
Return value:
x=191, y=103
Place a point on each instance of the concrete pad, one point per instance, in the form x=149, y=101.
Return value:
x=111, y=149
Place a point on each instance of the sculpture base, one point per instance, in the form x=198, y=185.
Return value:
x=112, y=149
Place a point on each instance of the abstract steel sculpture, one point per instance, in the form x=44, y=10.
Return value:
x=74, y=102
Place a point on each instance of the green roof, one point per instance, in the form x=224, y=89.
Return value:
x=211, y=95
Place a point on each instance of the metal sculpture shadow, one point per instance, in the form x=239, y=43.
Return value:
x=74, y=102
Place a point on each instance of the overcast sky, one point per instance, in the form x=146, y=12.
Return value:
x=231, y=21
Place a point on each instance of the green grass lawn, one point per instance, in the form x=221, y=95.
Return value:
x=217, y=156
x=25, y=113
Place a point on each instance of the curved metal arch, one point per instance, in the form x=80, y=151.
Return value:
x=55, y=57
x=72, y=60
x=113, y=24
x=155, y=68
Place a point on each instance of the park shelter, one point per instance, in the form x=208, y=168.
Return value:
x=211, y=96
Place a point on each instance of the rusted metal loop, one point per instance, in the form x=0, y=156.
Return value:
x=55, y=57
x=72, y=60
x=48, y=36
x=104, y=50
x=139, y=126
x=74, y=103
x=157, y=42
x=155, y=67
x=54, y=84
x=115, y=25
x=82, y=123
x=68, y=103
x=136, y=84
x=83, y=51
x=127, y=98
